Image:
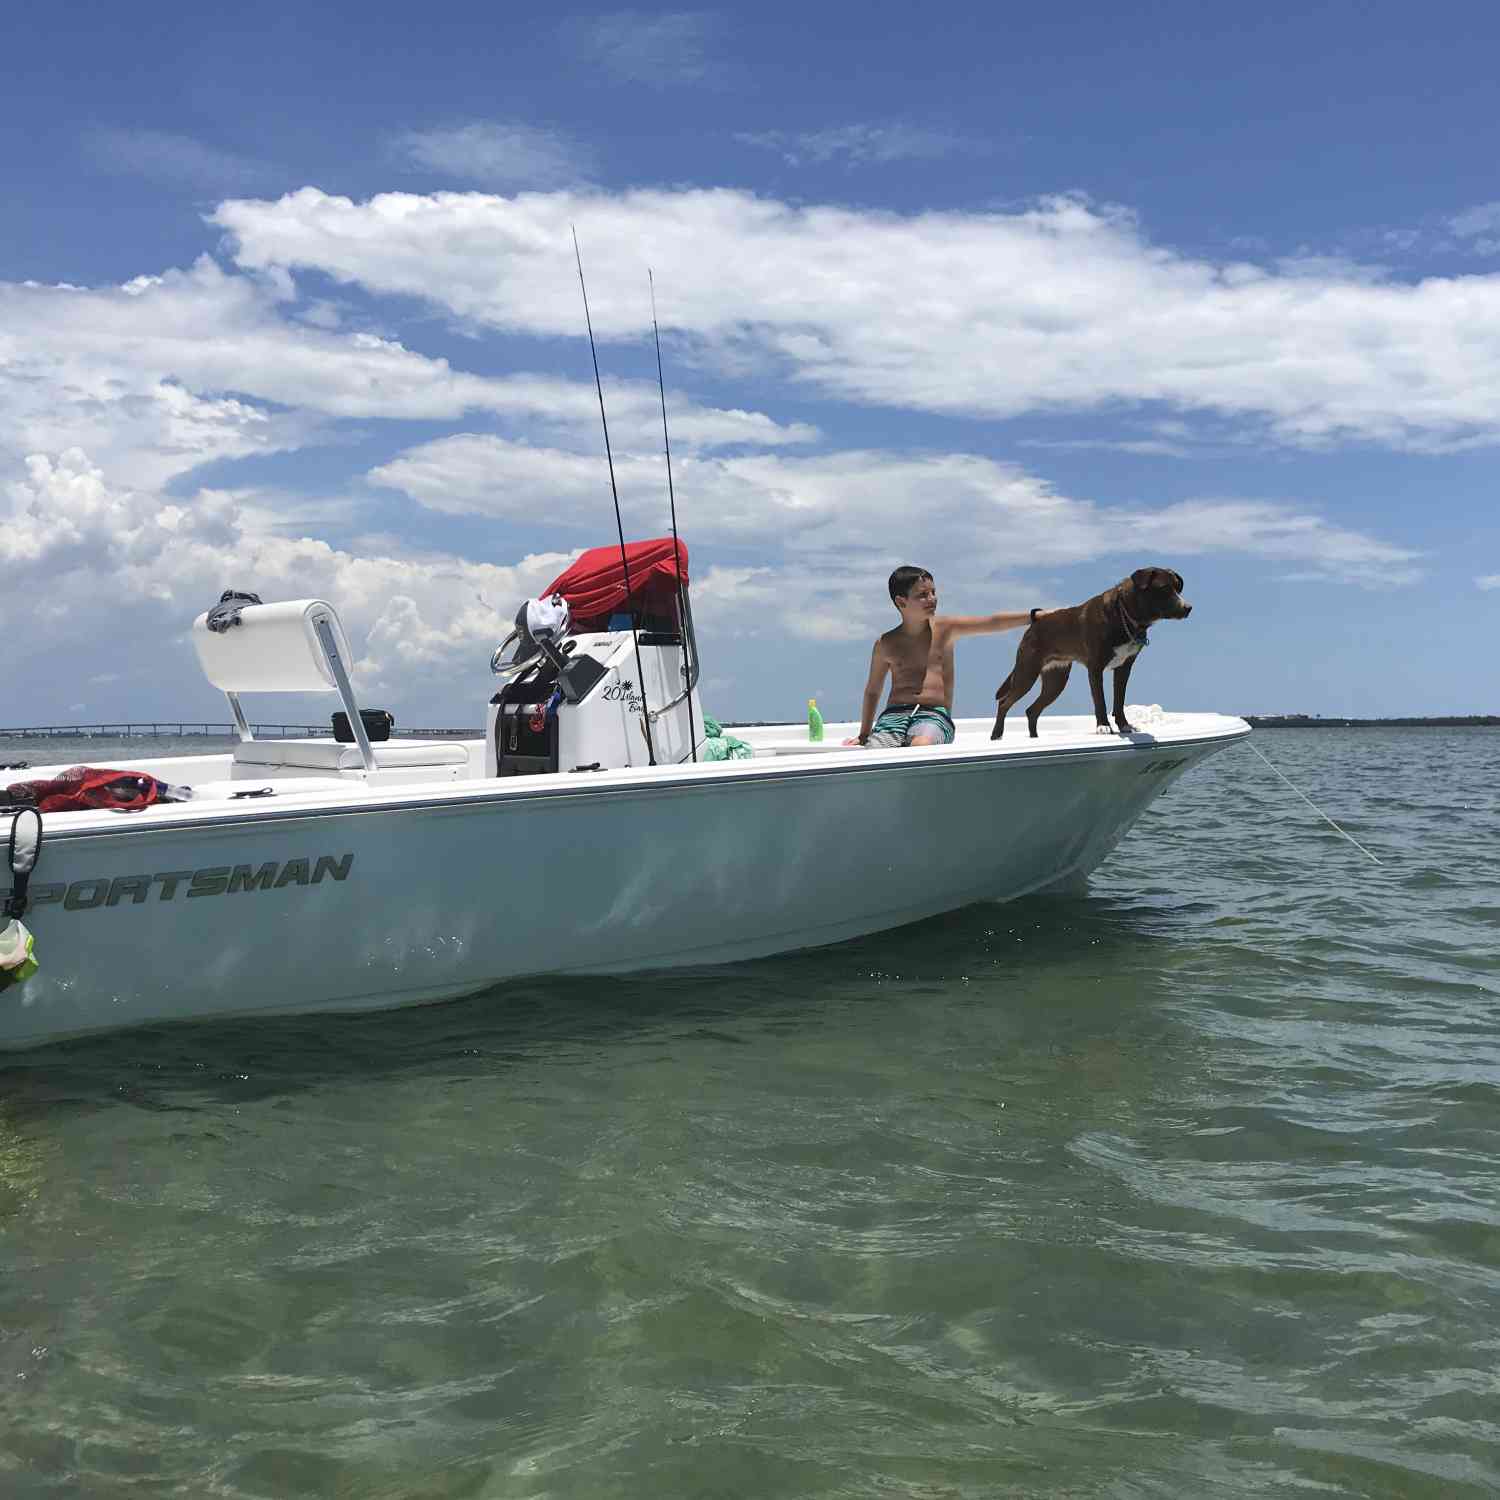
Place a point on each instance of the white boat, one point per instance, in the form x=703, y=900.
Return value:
x=361, y=875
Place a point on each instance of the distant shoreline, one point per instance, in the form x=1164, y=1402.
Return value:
x=1304, y=721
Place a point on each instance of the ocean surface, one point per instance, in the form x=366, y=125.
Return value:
x=1186, y=1187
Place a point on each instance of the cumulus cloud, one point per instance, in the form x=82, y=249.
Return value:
x=820, y=511
x=126, y=569
x=495, y=154
x=1061, y=306
x=126, y=572
x=859, y=145
x=1490, y=581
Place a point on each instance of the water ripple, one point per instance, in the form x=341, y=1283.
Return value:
x=1185, y=1187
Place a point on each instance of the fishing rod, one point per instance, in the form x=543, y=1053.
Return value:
x=682, y=614
x=640, y=671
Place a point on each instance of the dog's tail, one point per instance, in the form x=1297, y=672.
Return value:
x=1004, y=687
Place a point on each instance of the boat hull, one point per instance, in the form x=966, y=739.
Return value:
x=428, y=896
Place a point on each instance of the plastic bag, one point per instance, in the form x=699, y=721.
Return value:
x=720, y=746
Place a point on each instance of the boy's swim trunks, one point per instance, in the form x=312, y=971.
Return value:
x=900, y=721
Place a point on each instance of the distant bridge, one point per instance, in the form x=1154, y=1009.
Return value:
x=175, y=728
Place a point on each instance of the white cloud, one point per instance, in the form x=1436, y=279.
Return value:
x=1480, y=219
x=1479, y=225
x=1321, y=550
x=829, y=512
x=1490, y=581
x=495, y=154
x=860, y=145
x=126, y=567
x=126, y=573
x=568, y=410
x=169, y=372
x=1063, y=306
x=179, y=160
x=1308, y=265
x=657, y=48
x=1142, y=447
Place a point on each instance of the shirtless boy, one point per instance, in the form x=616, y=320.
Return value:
x=918, y=656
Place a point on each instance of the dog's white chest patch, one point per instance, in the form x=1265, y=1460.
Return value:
x=1125, y=652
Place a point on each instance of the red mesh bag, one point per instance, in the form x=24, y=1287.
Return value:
x=81, y=788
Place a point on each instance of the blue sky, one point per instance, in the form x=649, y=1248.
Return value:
x=1029, y=297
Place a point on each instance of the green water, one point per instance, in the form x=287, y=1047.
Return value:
x=1187, y=1187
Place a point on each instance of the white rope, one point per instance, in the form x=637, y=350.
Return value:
x=1322, y=814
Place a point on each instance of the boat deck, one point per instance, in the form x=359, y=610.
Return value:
x=221, y=782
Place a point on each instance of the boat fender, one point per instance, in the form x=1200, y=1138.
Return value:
x=17, y=946
x=21, y=851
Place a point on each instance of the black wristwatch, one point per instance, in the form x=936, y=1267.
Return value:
x=1035, y=612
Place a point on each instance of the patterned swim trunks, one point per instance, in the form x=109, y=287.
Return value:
x=900, y=721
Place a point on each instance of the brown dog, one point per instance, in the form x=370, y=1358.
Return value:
x=1108, y=631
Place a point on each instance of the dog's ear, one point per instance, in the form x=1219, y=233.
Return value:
x=1141, y=578
x=1177, y=579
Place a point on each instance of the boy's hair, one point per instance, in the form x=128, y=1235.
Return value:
x=904, y=579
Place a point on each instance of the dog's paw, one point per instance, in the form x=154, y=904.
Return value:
x=1127, y=728
x=1103, y=729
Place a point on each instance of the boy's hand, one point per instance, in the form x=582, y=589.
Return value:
x=855, y=741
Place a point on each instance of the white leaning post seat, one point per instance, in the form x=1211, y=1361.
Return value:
x=300, y=647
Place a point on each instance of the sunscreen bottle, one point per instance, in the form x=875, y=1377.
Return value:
x=814, y=720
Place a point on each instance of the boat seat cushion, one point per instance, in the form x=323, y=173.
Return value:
x=274, y=649
x=331, y=755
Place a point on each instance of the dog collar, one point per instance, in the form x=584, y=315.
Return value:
x=1138, y=634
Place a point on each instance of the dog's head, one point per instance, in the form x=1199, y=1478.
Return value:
x=1158, y=593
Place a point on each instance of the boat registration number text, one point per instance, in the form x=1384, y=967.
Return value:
x=1157, y=767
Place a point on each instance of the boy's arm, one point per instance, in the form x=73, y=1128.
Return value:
x=879, y=667
x=989, y=624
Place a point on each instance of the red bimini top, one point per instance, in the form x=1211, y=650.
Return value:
x=594, y=585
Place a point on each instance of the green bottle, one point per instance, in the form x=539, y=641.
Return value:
x=814, y=720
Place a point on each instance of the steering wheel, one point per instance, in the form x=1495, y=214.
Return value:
x=503, y=668
x=519, y=664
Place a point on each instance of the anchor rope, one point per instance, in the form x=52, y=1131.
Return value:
x=1320, y=811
